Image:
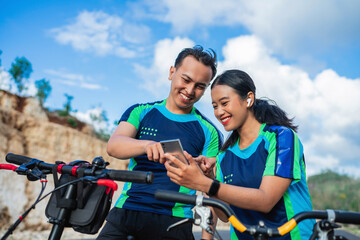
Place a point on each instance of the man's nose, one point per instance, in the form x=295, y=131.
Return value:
x=190, y=89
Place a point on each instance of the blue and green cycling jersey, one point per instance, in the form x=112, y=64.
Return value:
x=154, y=122
x=276, y=152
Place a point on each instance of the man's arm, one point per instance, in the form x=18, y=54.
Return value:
x=123, y=145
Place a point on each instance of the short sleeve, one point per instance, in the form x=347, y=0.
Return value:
x=132, y=115
x=285, y=154
x=213, y=143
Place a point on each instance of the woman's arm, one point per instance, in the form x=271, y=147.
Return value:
x=263, y=199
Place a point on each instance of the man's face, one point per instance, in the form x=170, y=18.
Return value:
x=188, y=83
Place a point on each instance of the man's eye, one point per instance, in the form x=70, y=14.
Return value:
x=214, y=106
x=224, y=103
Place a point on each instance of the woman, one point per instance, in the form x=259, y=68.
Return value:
x=260, y=171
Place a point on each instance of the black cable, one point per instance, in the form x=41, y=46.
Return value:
x=22, y=217
x=216, y=234
x=38, y=199
x=66, y=184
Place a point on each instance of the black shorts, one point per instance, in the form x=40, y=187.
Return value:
x=128, y=224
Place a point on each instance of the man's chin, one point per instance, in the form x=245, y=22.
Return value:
x=185, y=107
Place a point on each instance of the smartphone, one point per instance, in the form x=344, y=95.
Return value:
x=174, y=146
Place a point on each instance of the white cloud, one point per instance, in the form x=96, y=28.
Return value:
x=6, y=83
x=327, y=107
x=5, y=79
x=102, y=34
x=202, y=13
x=73, y=79
x=156, y=76
x=93, y=117
x=298, y=30
x=303, y=29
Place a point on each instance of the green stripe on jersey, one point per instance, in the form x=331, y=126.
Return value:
x=178, y=209
x=271, y=158
x=120, y=202
x=134, y=116
x=214, y=136
x=297, y=158
x=295, y=233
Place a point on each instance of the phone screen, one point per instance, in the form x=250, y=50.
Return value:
x=174, y=146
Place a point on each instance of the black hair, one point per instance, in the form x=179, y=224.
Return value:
x=208, y=58
x=265, y=110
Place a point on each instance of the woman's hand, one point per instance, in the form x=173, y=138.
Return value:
x=206, y=164
x=190, y=176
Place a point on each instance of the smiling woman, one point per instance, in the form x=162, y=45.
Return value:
x=260, y=170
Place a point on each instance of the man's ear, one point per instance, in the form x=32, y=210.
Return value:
x=171, y=72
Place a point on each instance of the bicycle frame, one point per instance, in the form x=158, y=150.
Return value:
x=261, y=231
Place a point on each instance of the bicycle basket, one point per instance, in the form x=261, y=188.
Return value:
x=88, y=210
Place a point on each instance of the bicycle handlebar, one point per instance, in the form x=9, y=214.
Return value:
x=332, y=215
x=171, y=196
x=8, y=166
x=118, y=175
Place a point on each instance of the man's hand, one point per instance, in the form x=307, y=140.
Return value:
x=155, y=152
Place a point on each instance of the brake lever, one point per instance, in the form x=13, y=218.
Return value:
x=183, y=221
x=323, y=229
x=203, y=218
x=31, y=170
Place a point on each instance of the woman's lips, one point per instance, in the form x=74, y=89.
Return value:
x=225, y=120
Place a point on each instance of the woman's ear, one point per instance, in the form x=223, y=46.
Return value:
x=250, y=99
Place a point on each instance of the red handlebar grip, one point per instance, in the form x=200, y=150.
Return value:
x=108, y=183
x=8, y=166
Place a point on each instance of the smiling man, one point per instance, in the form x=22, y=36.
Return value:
x=137, y=213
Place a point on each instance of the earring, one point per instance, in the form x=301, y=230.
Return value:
x=248, y=102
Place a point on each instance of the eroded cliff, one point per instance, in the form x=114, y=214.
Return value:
x=26, y=129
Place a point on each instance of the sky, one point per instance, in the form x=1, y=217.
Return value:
x=109, y=55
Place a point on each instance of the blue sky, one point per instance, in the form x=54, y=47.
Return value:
x=305, y=55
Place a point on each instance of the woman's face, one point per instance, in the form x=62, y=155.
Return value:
x=229, y=108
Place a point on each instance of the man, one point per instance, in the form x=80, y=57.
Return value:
x=137, y=213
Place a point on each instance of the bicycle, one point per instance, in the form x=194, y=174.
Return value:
x=95, y=173
x=323, y=230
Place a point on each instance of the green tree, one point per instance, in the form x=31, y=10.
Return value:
x=43, y=90
x=67, y=106
x=331, y=190
x=101, y=119
x=20, y=71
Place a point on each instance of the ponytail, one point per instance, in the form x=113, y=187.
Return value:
x=272, y=114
